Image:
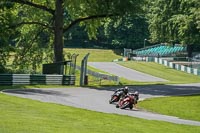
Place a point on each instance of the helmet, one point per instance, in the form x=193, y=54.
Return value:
x=126, y=89
x=136, y=93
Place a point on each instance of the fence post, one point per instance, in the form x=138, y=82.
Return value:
x=83, y=70
x=73, y=64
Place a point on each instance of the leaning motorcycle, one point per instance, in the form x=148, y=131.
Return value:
x=116, y=96
x=128, y=101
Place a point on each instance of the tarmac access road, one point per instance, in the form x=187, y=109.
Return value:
x=127, y=73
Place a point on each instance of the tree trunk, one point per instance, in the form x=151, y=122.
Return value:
x=189, y=50
x=58, y=32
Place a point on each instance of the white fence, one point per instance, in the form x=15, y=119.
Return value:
x=170, y=64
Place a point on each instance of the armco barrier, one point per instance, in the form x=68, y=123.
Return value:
x=69, y=80
x=6, y=79
x=23, y=79
x=34, y=79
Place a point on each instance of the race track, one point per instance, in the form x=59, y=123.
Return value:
x=97, y=99
x=125, y=72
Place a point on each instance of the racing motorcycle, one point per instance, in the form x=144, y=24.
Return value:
x=116, y=96
x=128, y=101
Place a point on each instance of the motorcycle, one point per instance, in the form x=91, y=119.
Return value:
x=128, y=101
x=116, y=96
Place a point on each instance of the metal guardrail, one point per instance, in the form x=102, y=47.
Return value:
x=104, y=76
x=29, y=79
x=101, y=76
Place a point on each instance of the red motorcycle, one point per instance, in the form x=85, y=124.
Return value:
x=128, y=101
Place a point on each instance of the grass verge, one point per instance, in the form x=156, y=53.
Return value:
x=96, y=55
x=24, y=115
x=186, y=107
x=174, y=76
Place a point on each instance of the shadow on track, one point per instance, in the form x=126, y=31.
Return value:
x=34, y=92
x=164, y=90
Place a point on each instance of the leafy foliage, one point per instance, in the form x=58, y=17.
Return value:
x=7, y=36
x=42, y=22
x=127, y=33
x=174, y=21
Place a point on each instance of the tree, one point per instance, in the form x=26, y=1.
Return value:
x=128, y=33
x=6, y=36
x=174, y=21
x=59, y=16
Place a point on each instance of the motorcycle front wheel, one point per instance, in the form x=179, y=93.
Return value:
x=113, y=99
x=125, y=105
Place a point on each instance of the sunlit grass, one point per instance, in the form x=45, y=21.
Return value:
x=174, y=76
x=24, y=115
x=96, y=55
x=186, y=107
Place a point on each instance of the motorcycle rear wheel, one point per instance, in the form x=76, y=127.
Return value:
x=131, y=106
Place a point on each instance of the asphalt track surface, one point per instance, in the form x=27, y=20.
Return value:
x=124, y=72
x=98, y=99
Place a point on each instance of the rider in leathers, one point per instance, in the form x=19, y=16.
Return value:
x=136, y=97
x=125, y=93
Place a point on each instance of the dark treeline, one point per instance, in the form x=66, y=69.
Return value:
x=129, y=33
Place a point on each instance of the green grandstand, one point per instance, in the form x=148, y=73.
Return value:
x=173, y=56
x=160, y=50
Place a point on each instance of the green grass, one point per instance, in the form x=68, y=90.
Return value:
x=161, y=71
x=24, y=115
x=102, y=55
x=96, y=55
x=186, y=107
